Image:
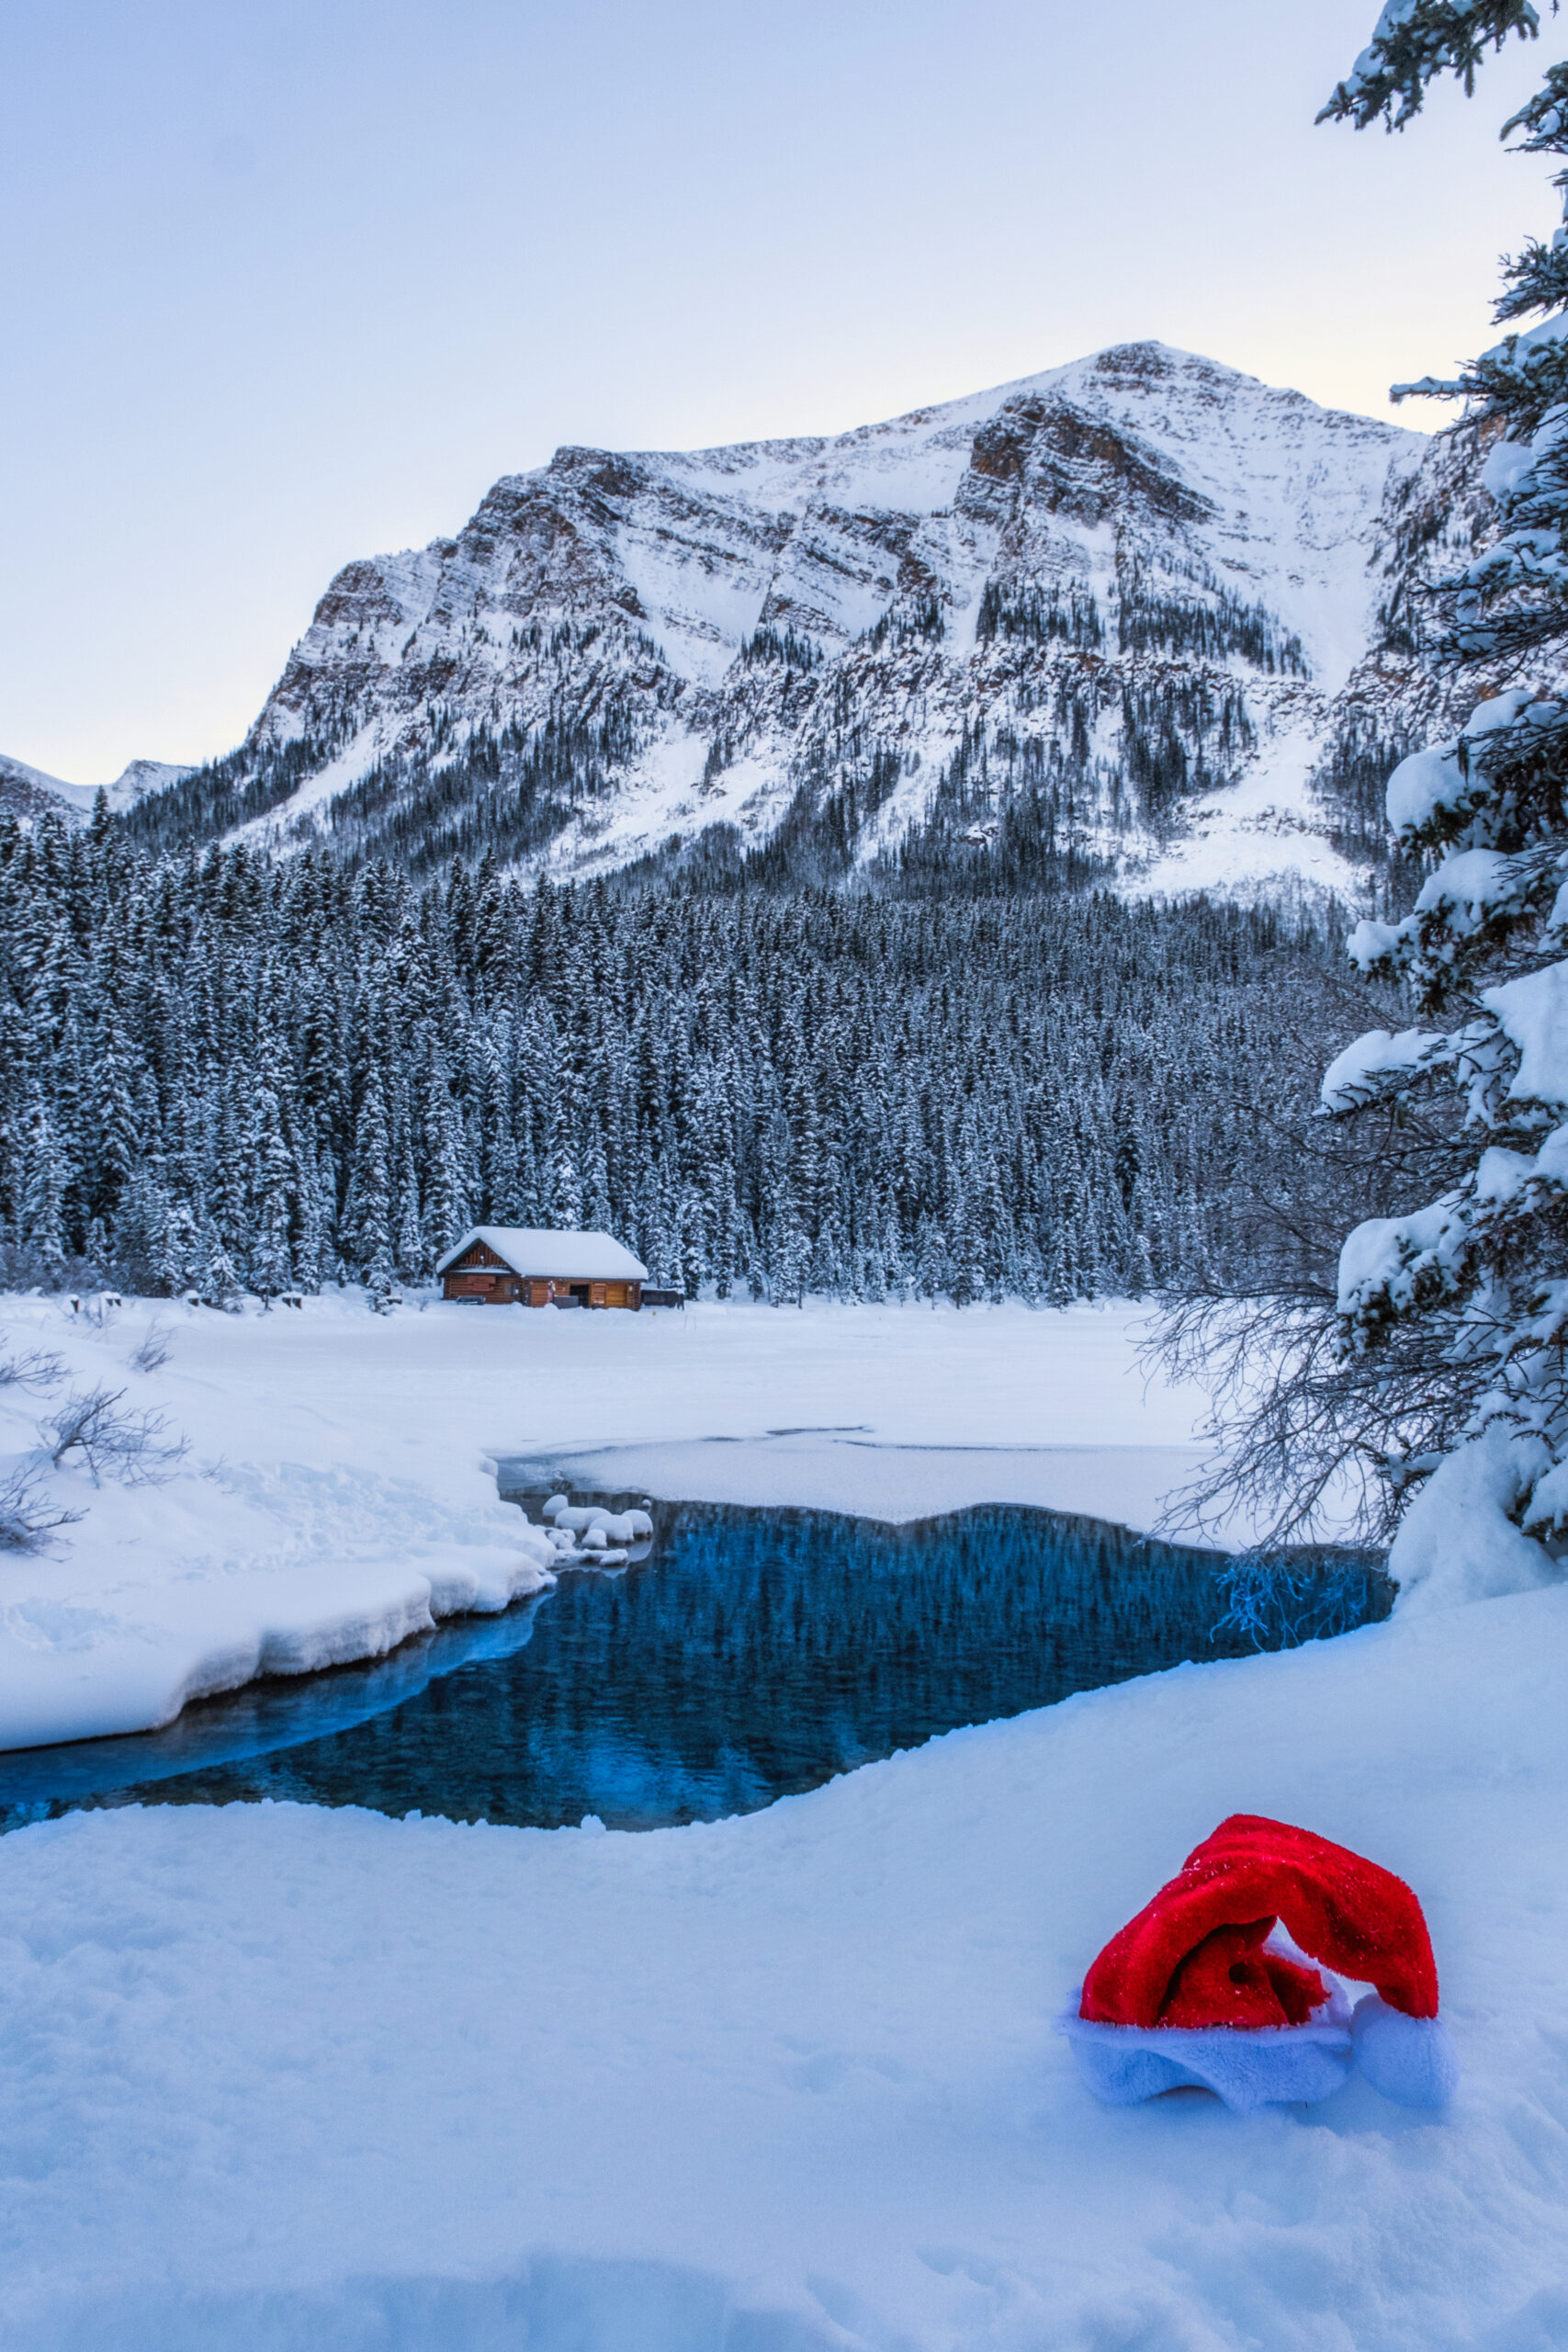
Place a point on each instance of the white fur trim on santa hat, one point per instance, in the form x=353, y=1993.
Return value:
x=1246, y=2068
x=1410, y=2060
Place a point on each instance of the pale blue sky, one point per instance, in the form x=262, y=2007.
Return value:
x=290, y=281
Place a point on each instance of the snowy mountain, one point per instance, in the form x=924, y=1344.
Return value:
x=1103, y=617
x=29, y=792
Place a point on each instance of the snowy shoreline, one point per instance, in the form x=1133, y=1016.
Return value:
x=339, y=1493
x=283, y=2077
x=278, y=2077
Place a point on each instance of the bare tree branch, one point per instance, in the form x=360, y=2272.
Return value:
x=26, y=1521
x=154, y=1350
x=132, y=1447
x=40, y=1368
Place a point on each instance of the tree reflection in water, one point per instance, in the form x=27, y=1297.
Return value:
x=756, y=1654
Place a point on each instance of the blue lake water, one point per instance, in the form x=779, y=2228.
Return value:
x=753, y=1653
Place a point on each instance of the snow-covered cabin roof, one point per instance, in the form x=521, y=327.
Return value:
x=555, y=1257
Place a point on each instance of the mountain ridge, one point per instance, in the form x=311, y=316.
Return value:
x=29, y=792
x=1133, y=587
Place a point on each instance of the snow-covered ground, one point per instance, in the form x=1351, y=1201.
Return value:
x=286, y=2080
x=340, y=1487
x=1264, y=833
x=323, y=2082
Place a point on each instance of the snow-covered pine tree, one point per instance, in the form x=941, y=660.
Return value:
x=1416, y=41
x=1478, y=1278
x=46, y=1174
x=1441, y=1375
x=182, y=1255
x=273, y=1182
x=368, y=1211
x=732, y=1078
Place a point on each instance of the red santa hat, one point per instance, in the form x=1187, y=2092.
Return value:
x=1212, y=1982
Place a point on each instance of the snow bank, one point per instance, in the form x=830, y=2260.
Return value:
x=340, y=1492
x=1458, y=1541
x=323, y=2082
x=317, y=1518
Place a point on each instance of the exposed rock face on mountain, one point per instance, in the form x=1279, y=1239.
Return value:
x=1103, y=618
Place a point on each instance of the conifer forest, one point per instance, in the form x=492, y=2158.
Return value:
x=226, y=1071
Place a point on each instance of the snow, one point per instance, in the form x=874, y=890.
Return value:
x=309, y=1524
x=893, y=1480
x=1262, y=832
x=1501, y=1174
x=1283, y=504
x=1533, y=1012
x=1500, y=711
x=553, y=1253
x=1433, y=780
x=664, y=792
x=1458, y=1541
x=1377, y=1055
x=286, y=2079
x=1422, y=785
x=75, y=801
x=356, y=760
x=1382, y=1248
x=319, y=2081
x=1506, y=463
x=339, y=1493
x=1470, y=886
x=1395, y=1253
x=1290, y=525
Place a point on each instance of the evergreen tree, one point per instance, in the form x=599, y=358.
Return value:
x=334, y=1069
x=1463, y=1302
x=182, y=1256
x=1436, y=1374
x=446, y=1212
x=368, y=1211
x=46, y=1174
x=269, y=1263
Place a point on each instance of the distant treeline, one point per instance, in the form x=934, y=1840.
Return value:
x=221, y=1068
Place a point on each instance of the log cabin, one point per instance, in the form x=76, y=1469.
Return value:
x=511, y=1265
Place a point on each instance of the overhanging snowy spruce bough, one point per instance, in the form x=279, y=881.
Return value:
x=1437, y=1375
x=1473, y=1285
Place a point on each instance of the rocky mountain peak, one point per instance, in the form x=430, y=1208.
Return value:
x=1139, y=581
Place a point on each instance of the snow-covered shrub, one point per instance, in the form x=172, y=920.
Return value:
x=153, y=1350
x=135, y=1448
x=27, y=1519
x=38, y=1368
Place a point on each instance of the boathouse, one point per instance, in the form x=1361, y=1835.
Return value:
x=512, y=1265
